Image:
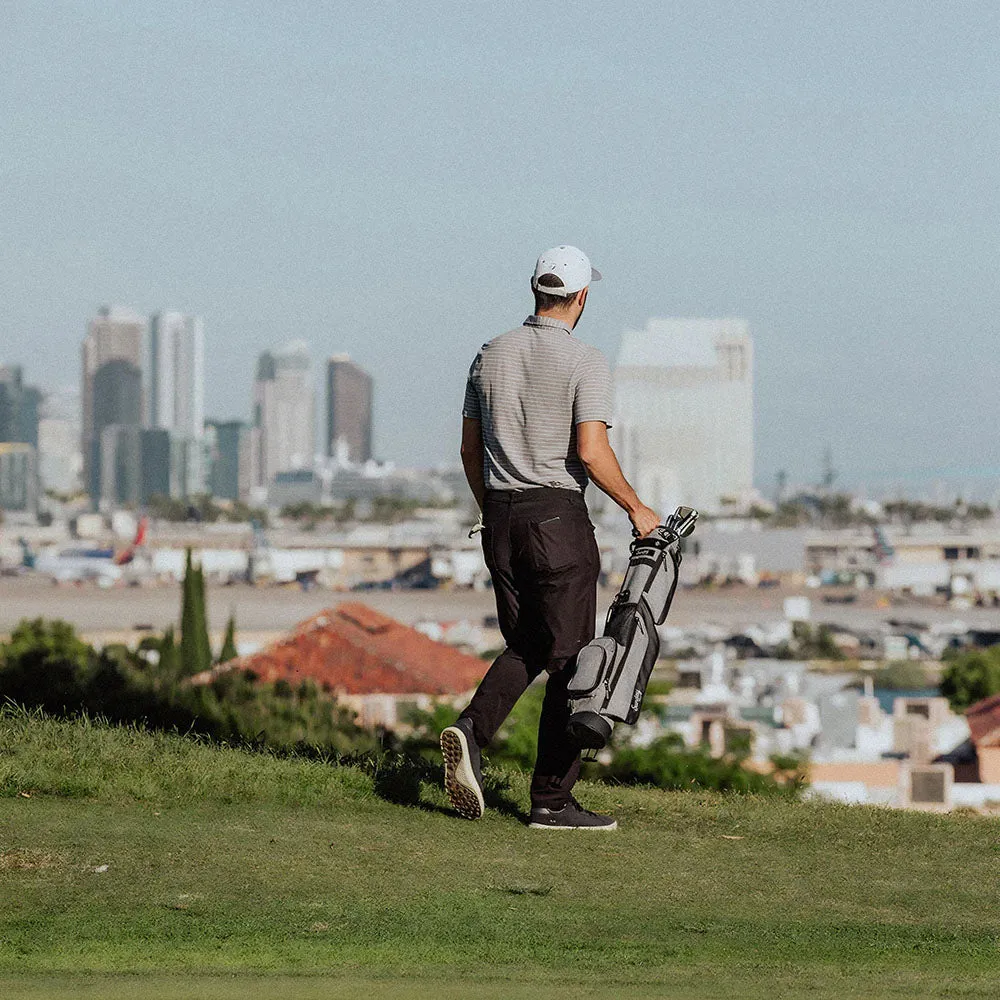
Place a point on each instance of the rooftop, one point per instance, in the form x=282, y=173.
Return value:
x=355, y=650
x=984, y=721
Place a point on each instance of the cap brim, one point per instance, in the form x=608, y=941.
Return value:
x=595, y=275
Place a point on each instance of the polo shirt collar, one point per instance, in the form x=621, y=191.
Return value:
x=548, y=321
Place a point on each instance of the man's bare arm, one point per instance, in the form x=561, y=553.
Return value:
x=472, y=458
x=598, y=457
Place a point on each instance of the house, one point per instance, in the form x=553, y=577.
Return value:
x=984, y=729
x=371, y=663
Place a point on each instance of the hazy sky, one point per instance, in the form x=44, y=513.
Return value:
x=378, y=179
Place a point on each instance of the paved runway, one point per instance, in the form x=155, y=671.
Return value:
x=92, y=609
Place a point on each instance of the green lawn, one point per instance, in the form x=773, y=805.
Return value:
x=233, y=874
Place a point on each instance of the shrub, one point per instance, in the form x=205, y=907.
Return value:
x=668, y=763
x=971, y=676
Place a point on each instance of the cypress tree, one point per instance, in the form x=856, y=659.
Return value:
x=196, y=653
x=204, y=645
x=229, y=643
x=188, y=652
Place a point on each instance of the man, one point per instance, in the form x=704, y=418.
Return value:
x=534, y=430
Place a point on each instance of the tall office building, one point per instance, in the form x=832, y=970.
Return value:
x=117, y=421
x=283, y=413
x=154, y=464
x=348, y=410
x=18, y=477
x=59, y=460
x=226, y=445
x=115, y=334
x=11, y=389
x=135, y=465
x=175, y=400
x=19, y=407
x=683, y=414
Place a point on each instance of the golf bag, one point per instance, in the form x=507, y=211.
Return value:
x=613, y=670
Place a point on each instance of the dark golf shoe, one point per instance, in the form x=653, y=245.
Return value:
x=572, y=816
x=463, y=780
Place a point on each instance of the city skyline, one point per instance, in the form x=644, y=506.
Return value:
x=118, y=322
x=826, y=173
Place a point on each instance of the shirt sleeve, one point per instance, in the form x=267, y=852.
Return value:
x=592, y=395
x=471, y=407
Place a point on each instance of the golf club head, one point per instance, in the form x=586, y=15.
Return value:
x=683, y=521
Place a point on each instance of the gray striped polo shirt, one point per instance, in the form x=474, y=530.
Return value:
x=530, y=387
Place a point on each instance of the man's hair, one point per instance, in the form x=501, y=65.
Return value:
x=543, y=301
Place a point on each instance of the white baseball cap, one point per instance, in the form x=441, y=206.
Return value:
x=568, y=263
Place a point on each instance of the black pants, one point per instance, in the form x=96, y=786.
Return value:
x=540, y=550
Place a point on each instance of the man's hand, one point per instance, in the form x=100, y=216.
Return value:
x=644, y=519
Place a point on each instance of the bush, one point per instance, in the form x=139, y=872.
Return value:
x=809, y=644
x=900, y=675
x=971, y=676
x=46, y=666
x=668, y=763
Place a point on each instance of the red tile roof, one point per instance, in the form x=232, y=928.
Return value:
x=354, y=650
x=984, y=721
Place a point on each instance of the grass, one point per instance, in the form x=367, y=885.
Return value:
x=231, y=873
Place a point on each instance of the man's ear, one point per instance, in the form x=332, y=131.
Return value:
x=581, y=296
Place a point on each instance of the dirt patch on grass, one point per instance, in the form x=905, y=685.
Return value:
x=25, y=859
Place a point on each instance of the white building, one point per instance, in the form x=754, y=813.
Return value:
x=175, y=398
x=60, y=462
x=284, y=414
x=683, y=419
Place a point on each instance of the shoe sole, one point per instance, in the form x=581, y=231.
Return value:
x=460, y=782
x=547, y=826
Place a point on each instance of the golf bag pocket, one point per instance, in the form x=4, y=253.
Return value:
x=635, y=634
x=594, y=666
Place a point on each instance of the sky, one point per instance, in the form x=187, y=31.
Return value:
x=379, y=178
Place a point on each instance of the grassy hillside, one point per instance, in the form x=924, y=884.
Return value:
x=230, y=873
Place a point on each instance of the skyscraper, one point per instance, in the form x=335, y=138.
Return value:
x=59, y=460
x=154, y=464
x=283, y=425
x=175, y=401
x=121, y=465
x=348, y=410
x=226, y=442
x=114, y=334
x=19, y=405
x=18, y=477
x=117, y=421
x=135, y=465
x=684, y=412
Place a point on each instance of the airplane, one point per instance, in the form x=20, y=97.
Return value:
x=78, y=564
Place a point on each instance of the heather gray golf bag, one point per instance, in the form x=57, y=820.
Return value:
x=612, y=671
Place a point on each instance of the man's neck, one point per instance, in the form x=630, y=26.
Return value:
x=558, y=314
